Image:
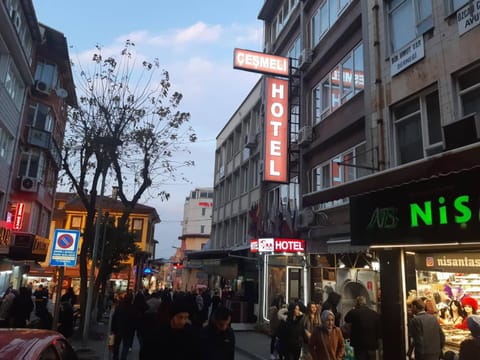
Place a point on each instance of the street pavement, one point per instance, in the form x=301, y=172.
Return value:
x=250, y=344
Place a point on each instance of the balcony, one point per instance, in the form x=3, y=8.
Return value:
x=38, y=137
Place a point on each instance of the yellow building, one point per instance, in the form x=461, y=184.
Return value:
x=71, y=214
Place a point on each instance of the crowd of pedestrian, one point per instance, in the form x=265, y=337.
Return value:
x=177, y=325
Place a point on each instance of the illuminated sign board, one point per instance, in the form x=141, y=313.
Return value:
x=261, y=62
x=65, y=248
x=18, y=217
x=443, y=209
x=448, y=262
x=277, y=245
x=276, y=131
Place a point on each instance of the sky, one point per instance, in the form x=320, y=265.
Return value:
x=194, y=42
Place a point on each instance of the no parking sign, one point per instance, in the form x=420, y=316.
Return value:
x=65, y=248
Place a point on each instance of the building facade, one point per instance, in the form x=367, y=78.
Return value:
x=36, y=86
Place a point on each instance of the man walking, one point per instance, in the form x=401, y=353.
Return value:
x=427, y=336
x=217, y=339
x=365, y=330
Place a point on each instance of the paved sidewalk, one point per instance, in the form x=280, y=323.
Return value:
x=252, y=344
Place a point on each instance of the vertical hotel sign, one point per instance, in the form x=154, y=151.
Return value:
x=276, y=114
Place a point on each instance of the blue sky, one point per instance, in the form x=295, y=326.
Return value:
x=194, y=41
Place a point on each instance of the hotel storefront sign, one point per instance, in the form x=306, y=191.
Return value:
x=277, y=245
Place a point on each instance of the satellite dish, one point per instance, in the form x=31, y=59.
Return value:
x=62, y=93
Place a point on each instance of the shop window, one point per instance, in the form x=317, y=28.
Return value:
x=408, y=20
x=469, y=91
x=417, y=127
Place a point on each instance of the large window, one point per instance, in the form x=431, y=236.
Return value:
x=469, y=91
x=40, y=117
x=294, y=52
x=454, y=5
x=15, y=11
x=47, y=73
x=137, y=229
x=6, y=146
x=324, y=17
x=32, y=164
x=14, y=85
x=340, y=85
x=408, y=20
x=417, y=127
x=345, y=167
x=282, y=17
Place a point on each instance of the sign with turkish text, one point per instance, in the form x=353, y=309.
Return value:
x=65, y=248
x=18, y=217
x=468, y=17
x=261, y=62
x=443, y=209
x=277, y=245
x=448, y=262
x=276, y=131
x=411, y=53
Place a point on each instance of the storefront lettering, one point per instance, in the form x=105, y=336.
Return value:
x=384, y=218
x=425, y=211
x=461, y=261
x=5, y=237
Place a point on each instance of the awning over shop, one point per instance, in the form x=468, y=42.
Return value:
x=441, y=164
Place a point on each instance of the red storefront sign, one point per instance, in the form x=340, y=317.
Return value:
x=277, y=245
x=18, y=218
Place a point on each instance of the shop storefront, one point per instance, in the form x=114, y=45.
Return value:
x=427, y=237
x=284, y=270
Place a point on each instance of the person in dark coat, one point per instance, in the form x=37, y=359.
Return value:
x=217, y=339
x=22, y=307
x=177, y=339
x=216, y=301
x=123, y=327
x=69, y=296
x=66, y=319
x=365, y=330
x=470, y=348
x=427, y=336
x=290, y=333
x=331, y=304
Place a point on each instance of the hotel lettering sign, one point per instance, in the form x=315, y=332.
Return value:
x=277, y=245
x=440, y=210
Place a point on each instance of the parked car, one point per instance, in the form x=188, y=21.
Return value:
x=34, y=344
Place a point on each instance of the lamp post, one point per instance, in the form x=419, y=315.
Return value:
x=111, y=143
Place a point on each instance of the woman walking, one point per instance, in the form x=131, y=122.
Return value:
x=326, y=342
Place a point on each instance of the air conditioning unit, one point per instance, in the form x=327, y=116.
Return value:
x=305, y=58
x=42, y=87
x=28, y=184
x=305, y=135
x=250, y=141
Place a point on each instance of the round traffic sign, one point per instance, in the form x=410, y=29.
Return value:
x=65, y=241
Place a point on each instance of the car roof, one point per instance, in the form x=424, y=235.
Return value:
x=17, y=343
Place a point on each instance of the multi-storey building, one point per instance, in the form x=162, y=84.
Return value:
x=36, y=86
x=196, y=228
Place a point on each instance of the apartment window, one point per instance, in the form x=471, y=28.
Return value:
x=321, y=177
x=341, y=84
x=40, y=117
x=454, y=5
x=14, y=86
x=137, y=228
x=417, y=126
x=244, y=179
x=202, y=229
x=408, y=20
x=6, y=146
x=469, y=91
x=324, y=18
x=282, y=17
x=32, y=163
x=47, y=73
x=294, y=52
x=204, y=211
x=76, y=223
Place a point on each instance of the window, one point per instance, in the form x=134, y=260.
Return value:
x=6, y=145
x=469, y=91
x=408, y=20
x=321, y=177
x=204, y=211
x=32, y=163
x=417, y=126
x=244, y=179
x=343, y=82
x=454, y=5
x=202, y=229
x=282, y=17
x=294, y=52
x=14, y=86
x=137, y=228
x=47, y=73
x=76, y=223
x=40, y=117
x=324, y=17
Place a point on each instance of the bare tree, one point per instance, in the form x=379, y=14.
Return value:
x=128, y=129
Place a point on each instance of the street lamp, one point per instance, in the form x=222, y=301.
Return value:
x=110, y=143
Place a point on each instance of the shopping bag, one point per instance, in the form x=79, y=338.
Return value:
x=349, y=355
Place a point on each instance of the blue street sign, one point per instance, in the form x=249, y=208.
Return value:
x=65, y=248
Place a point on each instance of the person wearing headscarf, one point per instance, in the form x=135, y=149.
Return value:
x=470, y=348
x=326, y=342
x=290, y=333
